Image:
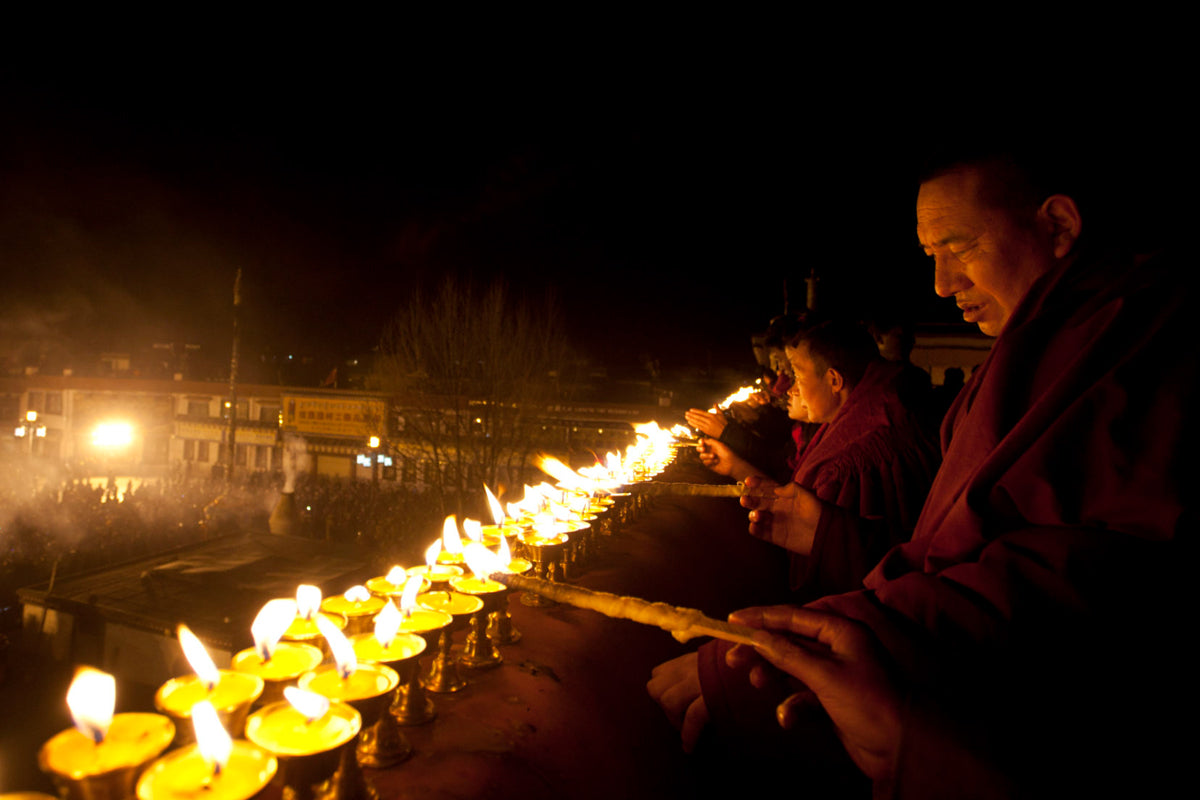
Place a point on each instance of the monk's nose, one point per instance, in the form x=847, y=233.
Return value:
x=948, y=278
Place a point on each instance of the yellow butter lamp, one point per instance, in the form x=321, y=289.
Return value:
x=369, y=688
x=230, y=692
x=358, y=605
x=278, y=663
x=104, y=753
x=216, y=767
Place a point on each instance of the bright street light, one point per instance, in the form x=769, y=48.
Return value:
x=30, y=429
x=112, y=434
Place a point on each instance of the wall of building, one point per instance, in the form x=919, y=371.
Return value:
x=180, y=427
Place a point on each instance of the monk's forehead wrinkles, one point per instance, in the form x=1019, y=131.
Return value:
x=940, y=228
x=933, y=211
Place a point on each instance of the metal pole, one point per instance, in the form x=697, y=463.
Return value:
x=231, y=436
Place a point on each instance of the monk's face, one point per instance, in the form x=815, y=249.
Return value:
x=813, y=387
x=987, y=253
x=797, y=411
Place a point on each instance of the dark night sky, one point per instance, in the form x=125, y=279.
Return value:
x=679, y=205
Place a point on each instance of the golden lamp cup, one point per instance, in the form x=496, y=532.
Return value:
x=479, y=652
x=358, y=613
x=305, y=631
x=185, y=774
x=546, y=553
x=402, y=654
x=368, y=689
x=309, y=751
x=384, y=588
x=413, y=706
x=441, y=674
x=232, y=697
x=82, y=769
x=501, y=629
x=285, y=666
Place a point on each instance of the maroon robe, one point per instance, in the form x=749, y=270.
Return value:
x=1035, y=613
x=874, y=459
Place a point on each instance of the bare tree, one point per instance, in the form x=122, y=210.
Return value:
x=471, y=370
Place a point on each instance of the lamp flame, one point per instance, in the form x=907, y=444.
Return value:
x=474, y=529
x=503, y=551
x=312, y=706
x=533, y=500
x=431, y=553
x=212, y=740
x=308, y=600
x=270, y=624
x=494, y=505
x=92, y=698
x=546, y=526
x=339, y=645
x=396, y=576
x=740, y=396
x=357, y=594
x=199, y=658
x=387, y=622
x=483, y=562
x=408, y=598
x=450, y=538
x=565, y=476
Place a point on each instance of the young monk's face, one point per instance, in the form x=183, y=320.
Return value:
x=813, y=387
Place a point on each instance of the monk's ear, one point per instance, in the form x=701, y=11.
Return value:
x=835, y=380
x=1063, y=222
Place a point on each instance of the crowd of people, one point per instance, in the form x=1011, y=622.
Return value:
x=74, y=526
x=1000, y=614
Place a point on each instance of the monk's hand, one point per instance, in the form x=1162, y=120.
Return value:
x=675, y=685
x=839, y=660
x=785, y=515
x=745, y=413
x=707, y=422
x=758, y=399
x=715, y=455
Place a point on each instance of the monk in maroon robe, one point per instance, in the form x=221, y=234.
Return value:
x=870, y=453
x=1026, y=640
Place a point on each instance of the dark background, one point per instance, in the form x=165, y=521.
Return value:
x=669, y=212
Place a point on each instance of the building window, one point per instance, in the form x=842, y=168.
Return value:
x=260, y=457
x=197, y=408
x=189, y=449
x=37, y=401
x=243, y=409
x=268, y=414
x=240, y=454
x=54, y=404
x=202, y=452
